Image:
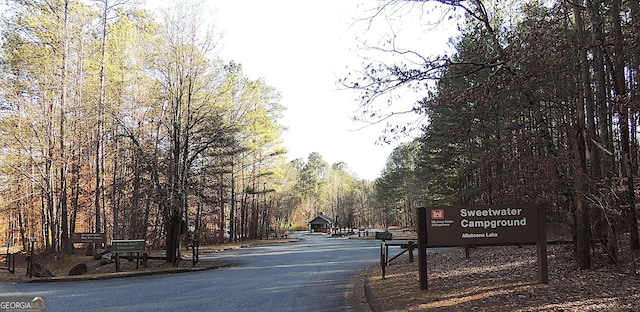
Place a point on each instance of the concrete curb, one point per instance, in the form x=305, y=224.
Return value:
x=89, y=277
x=373, y=306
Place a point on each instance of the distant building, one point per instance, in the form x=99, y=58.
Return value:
x=320, y=224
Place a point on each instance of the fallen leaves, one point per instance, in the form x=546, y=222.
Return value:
x=504, y=279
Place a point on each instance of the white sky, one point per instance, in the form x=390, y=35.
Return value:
x=302, y=48
x=299, y=47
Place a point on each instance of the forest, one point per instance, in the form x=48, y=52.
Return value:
x=116, y=122
x=538, y=102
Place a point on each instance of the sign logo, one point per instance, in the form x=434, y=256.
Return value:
x=437, y=214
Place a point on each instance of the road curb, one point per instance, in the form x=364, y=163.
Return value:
x=368, y=293
x=125, y=274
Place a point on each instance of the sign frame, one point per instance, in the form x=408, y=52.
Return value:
x=452, y=226
x=89, y=238
x=128, y=245
x=495, y=225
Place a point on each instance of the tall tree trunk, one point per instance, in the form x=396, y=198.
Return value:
x=174, y=209
x=75, y=193
x=602, y=163
x=116, y=231
x=221, y=216
x=582, y=212
x=44, y=226
x=197, y=221
x=597, y=37
x=255, y=225
x=22, y=223
x=243, y=216
x=136, y=215
x=64, y=238
x=622, y=103
x=232, y=209
x=50, y=240
x=99, y=162
x=635, y=92
x=147, y=212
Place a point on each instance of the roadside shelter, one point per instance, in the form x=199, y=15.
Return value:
x=320, y=224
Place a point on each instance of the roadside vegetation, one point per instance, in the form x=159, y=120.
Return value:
x=116, y=121
x=535, y=102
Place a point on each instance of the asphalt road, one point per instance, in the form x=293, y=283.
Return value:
x=310, y=275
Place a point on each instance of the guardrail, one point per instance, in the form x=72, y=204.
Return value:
x=407, y=246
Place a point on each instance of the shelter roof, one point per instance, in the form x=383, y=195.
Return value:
x=321, y=219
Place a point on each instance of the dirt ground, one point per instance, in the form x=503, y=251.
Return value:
x=504, y=279
x=60, y=265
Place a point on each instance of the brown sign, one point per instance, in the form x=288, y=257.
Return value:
x=481, y=225
x=89, y=237
x=128, y=245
